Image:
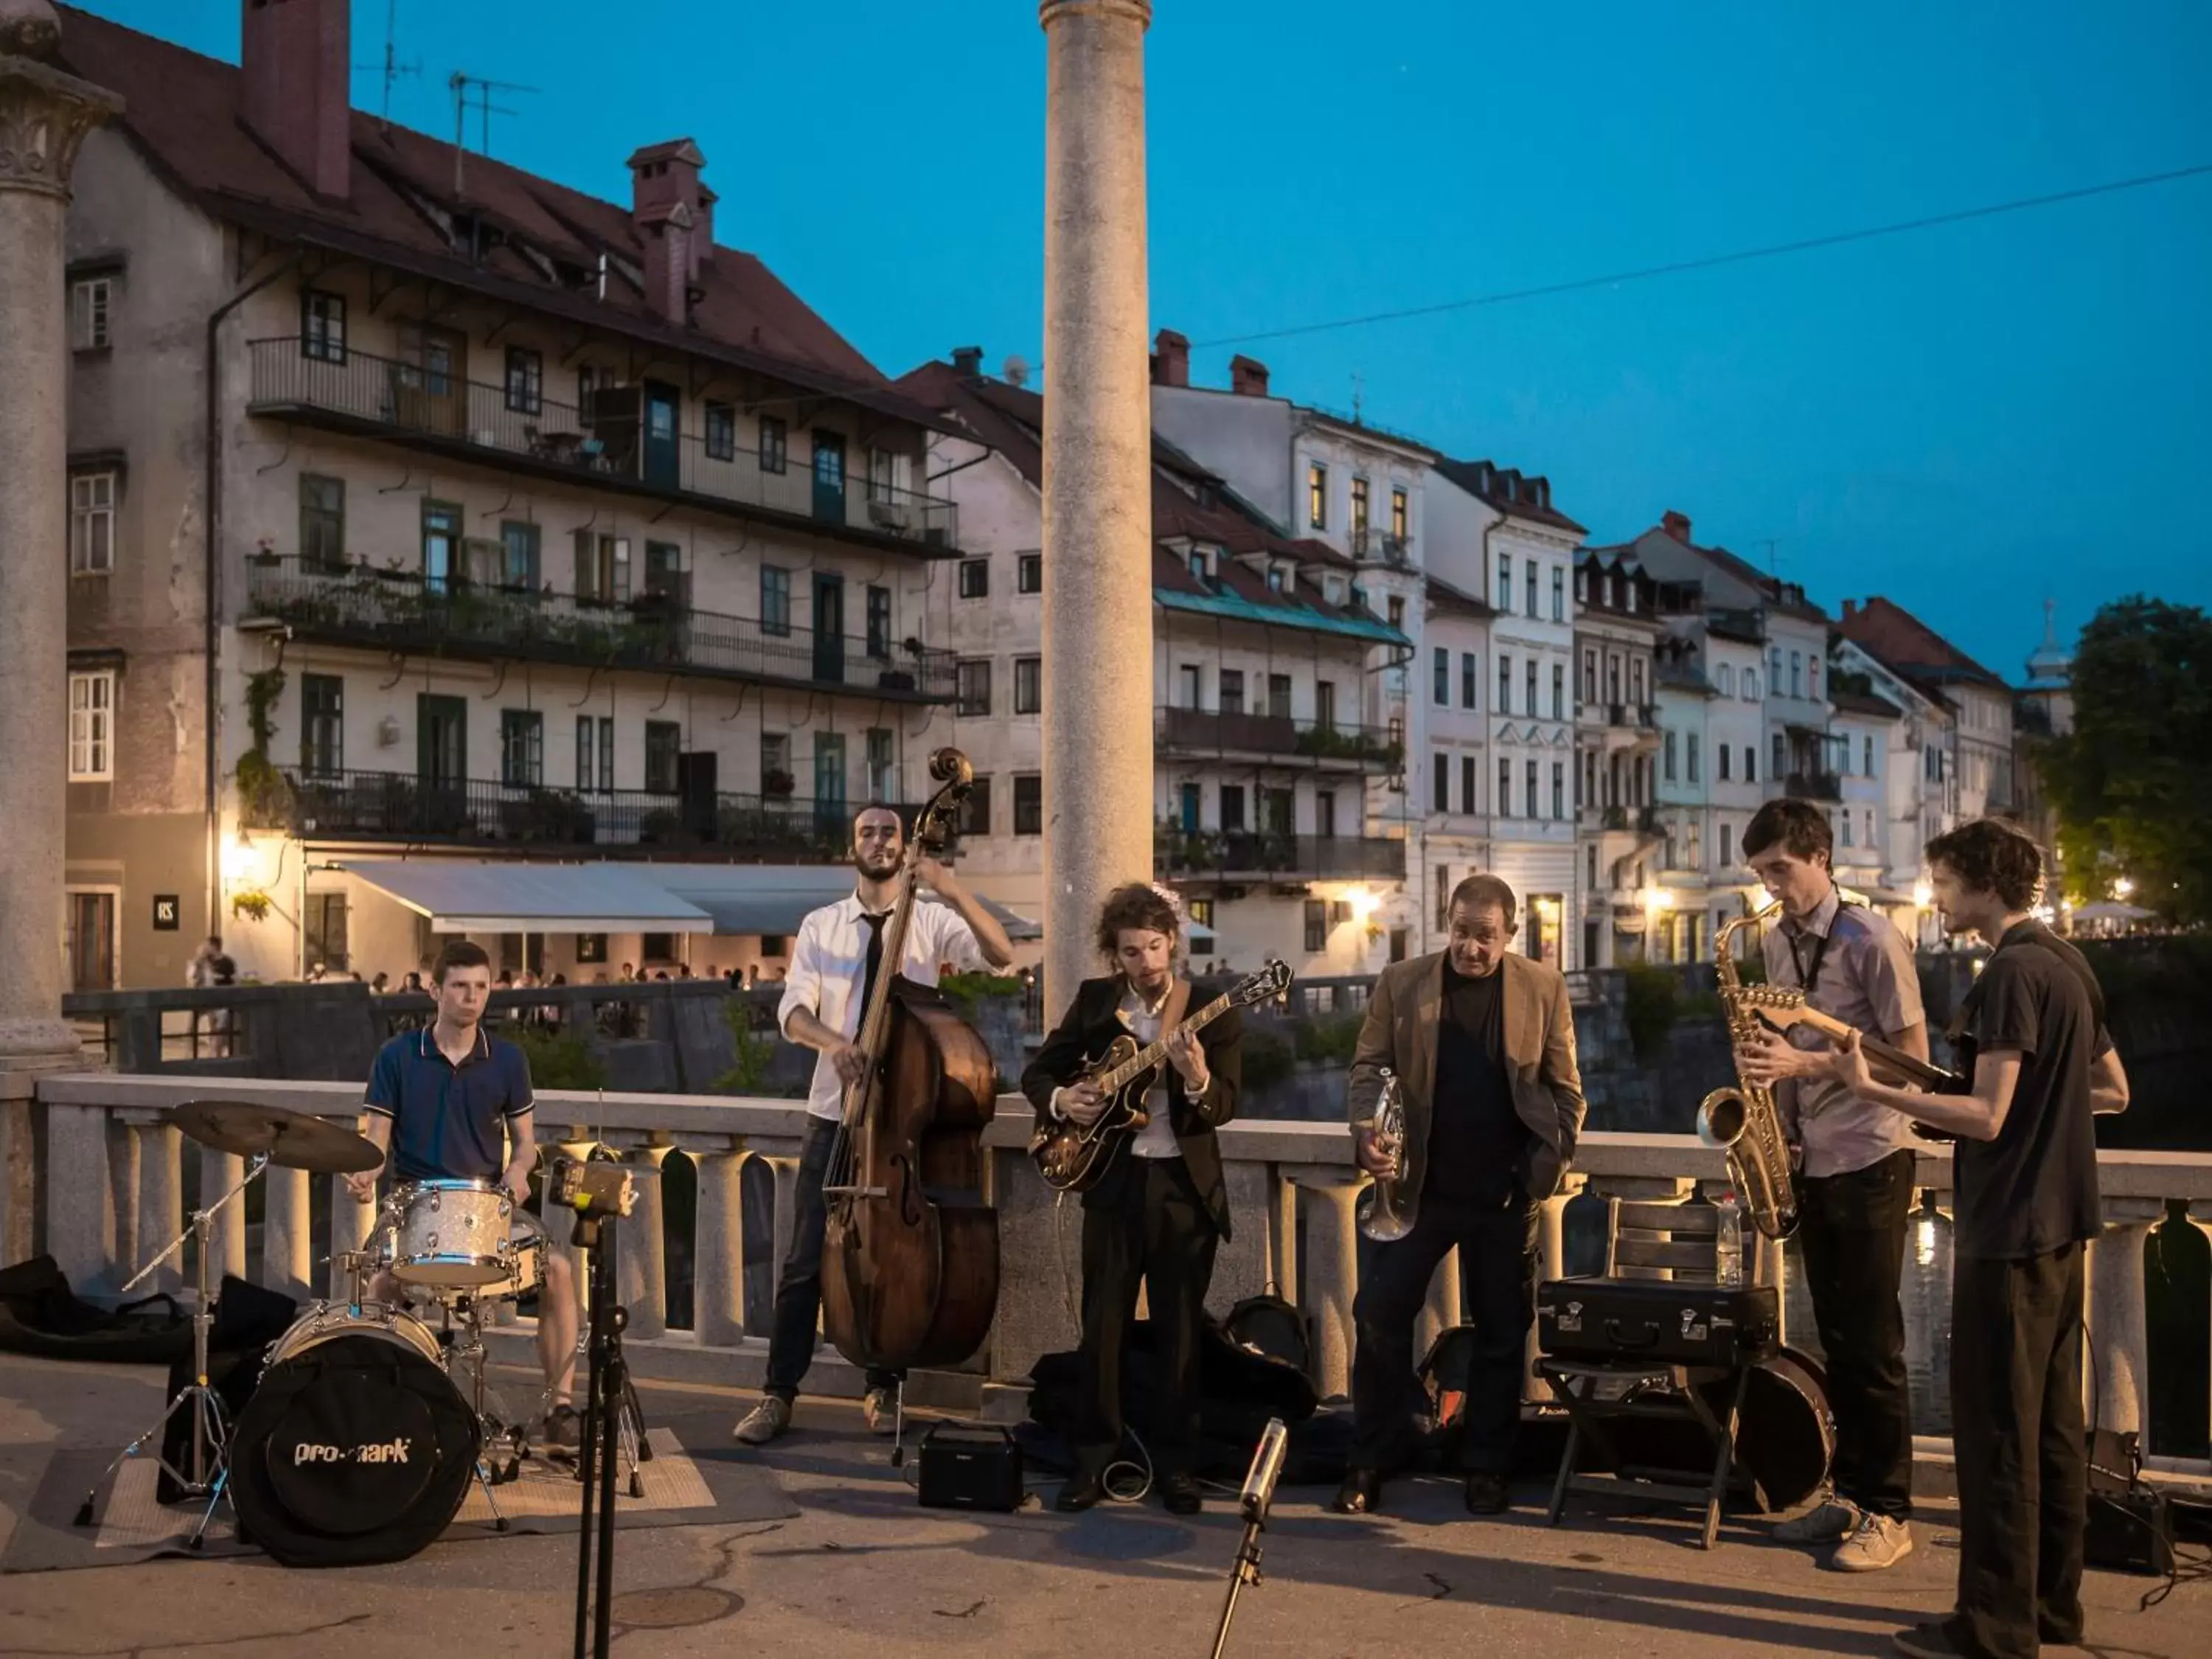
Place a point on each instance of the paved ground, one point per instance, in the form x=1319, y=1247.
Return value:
x=863, y=1569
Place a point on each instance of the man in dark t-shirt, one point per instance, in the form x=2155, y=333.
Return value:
x=2025, y=1192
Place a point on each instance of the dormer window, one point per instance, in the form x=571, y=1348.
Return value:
x=1334, y=587
x=1278, y=578
x=1201, y=566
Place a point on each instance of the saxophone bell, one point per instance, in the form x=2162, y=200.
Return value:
x=1723, y=1116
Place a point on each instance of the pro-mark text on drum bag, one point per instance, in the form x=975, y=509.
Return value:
x=380, y=1451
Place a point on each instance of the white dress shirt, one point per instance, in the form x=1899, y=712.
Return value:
x=829, y=958
x=1157, y=1138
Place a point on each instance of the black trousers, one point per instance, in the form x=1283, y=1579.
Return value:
x=1159, y=1234
x=1497, y=1271
x=1851, y=1229
x=799, y=1292
x=2016, y=1429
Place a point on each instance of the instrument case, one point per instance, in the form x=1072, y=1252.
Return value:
x=1657, y=1321
x=971, y=1468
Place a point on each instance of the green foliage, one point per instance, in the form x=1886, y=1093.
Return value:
x=1268, y=1058
x=1330, y=1041
x=1652, y=999
x=2129, y=785
x=965, y=992
x=264, y=797
x=754, y=1050
x=558, y=1060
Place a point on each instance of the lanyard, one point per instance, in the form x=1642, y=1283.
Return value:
x=1807, y=978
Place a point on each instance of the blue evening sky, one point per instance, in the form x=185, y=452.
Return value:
x=1967, y=419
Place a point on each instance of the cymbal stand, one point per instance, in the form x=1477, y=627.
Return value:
x=210, y=1467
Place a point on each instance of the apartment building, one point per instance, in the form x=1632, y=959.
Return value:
x=425, y=509
x=1262, y=651
x=1618, y=745
x=1455, y=828
x=1982, y=703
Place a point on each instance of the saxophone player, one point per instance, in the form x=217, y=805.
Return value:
x=1855, y=1187
x=1482, y=1042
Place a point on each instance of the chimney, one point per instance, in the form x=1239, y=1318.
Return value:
x=1851, y=609
x=1675, y=524
x=667, y=233
x=1171, y=359
x=702, y=229
x=663, y=177
x=967, y=361
x=296, y=69
x=1248, y=376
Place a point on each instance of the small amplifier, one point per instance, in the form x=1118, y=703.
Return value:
x=2129, y=1532
x=967, y=1466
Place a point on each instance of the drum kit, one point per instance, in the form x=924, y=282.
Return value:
x=368, y=1417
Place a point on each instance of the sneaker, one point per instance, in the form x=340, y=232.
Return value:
x=1878, y=1541
x=1828, y=1522
x=562, y=1431
x=765, y=1421
x=1928, y=1640
x=879, y=1410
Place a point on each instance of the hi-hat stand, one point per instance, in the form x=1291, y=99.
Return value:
x=210, y=1464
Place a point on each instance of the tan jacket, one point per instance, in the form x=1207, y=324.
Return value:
x=1400, y=1033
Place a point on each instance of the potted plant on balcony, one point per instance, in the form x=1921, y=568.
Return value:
x=264, y=554
x=777, y=784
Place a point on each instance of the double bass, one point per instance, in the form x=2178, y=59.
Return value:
x=910, y=1248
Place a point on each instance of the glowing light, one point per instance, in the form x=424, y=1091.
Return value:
x=1924, y=894
x=2123, y=887
x=1656, y=899
x=1923, y=1241
x=240, y=861
x=1365, y=903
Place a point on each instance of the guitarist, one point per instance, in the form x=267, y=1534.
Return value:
x=1161, y=1208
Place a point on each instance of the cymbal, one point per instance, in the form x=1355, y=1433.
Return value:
x=293, y=1140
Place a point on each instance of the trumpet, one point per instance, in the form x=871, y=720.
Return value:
x=1384, y=1211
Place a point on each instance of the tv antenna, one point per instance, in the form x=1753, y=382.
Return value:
x=1358, y=386
x=392, y=68
x=1774, y=562
x=474, y=89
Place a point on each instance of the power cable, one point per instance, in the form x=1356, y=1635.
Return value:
x=1712, y=262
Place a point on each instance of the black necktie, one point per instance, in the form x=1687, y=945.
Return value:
x=875, y=958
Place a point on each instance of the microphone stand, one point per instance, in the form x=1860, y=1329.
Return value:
x=607, y=1387
x=1259, y=1494
x=1247, y=1572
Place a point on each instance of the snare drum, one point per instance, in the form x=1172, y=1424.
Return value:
x=452, y=1233
x=524, y=1268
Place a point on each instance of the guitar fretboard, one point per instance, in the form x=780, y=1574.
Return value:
x=1146, y=1058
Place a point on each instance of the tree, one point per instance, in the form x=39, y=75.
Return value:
x=2130, y=783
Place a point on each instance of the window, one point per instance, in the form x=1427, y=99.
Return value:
x=774, y=443
x=1395, y=611
x=1869, y=817
x=591, y=947
x=1559, y=789
x=1505, y=581
x=1796, y=673
x=664, y=743
x=1866, y=757
x=1725, y=680
x=1813, y=678
x=1774, y=664
x=1232, y=691
x=525, y=380
x=656, y=947
x=1589, y=675
x=1202, y=564
x=1721, y=760
x=1504, y=684
x=1029, y=685
x=1529, y=685
x=322, y=326
x=595, y=751
x=1750, y=764
x=776, y=779
x=602, y=567
x=1325, y=705
x=1443, y=896
x=972, y=693
x=1751, y=685
x=1636, y=680
x=1358, y=506
x=1440, y=785
x=721, y=432
x=1029, y=804
x=88, y=308
x=1324, y=811
x=1468, y=783
x=1279, y=696
x=1399, y=519
x=1317, y=495
x=1846, y=828
x=1558, y=593
x=1277, y=581
x=1781, y=758
x=1668, y=760
x=1232, y=806
x=975, y=810
x=879, y=623
x=92, y=727
x=775, y=599
x=1443, y=677
x=1029, y=572
x=588, y=382
x=1504, y=805
x=975, y=579
x=1316, y=924
x=323, y=931
x=1466, y=681
x=1692, y=757
x=1724, y=854
x=1528, y=586
x=1582, y=586
x=1559, y=691
x=522, y=748
x=322, y=724
x=518, y=546
x=92, y=523
x=1528, y=796
x=882, y=785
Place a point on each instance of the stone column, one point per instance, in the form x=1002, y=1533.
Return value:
x=786, y=1170
x=288, y=1243
x=2118, y=1341
x=641, y=1248
x=718, y=1248
x=351, y=1222
x=44, y=117
x=219, y=1173
x=1097, y=477
x=160, y=1203
x=80, y=1202
x=1332, y=1273
x=1283, y=1234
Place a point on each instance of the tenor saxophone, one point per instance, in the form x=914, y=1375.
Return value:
x=1741, y=1119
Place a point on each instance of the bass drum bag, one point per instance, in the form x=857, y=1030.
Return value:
x=355, y=1450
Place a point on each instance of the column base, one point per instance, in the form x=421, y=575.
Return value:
x=40, y=1044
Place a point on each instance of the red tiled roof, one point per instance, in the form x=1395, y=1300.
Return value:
x=1480, y=480
x=1900, y=640
x=1860, y=702
x=183, y=110
x=1445, y=597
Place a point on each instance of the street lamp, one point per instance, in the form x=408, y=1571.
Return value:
x=2122, y=888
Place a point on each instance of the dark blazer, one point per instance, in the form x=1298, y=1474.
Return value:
x=1400, y=1032
x=1090, y=1023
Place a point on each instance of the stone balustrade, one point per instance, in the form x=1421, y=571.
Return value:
x=107, y=1189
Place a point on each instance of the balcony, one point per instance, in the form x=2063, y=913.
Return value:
x=1813, y=786
x=405, y=610
x=1370, y=545
x=400, y=806
x=1196, y=732
x=611, y=446
x=1253, y=855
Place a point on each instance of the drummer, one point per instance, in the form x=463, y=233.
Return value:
x=437, y=1102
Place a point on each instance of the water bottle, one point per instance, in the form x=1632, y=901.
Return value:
x=1728, y=1246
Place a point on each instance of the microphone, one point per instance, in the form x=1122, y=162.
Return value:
x=1267, y=1469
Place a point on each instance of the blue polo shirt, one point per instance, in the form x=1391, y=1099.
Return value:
x=447, y=1121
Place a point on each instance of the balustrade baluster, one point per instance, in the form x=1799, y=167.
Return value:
x=288, y=1252
x=2118, y=1347
x=1332, y=1273
x=641, y=1245
x=122, y=1155
x=718, y=1248
x=219, y=1173
x=161, y=1183
x=352, y=1223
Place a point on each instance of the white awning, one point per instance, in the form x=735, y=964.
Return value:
x=752, y=899
x=462, y=897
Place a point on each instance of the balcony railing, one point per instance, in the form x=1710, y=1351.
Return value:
x=405, y=610
x=1641, y=820
x=1371, y=543
x=1209, y=731
x=613, y=443
x=1261, y=854
x=1813, y=786
x=357, y=805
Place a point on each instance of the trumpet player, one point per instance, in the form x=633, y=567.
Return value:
x=1855, y=1189
x=1482, y=1043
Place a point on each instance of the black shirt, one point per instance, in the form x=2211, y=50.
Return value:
x=2035, y=1188
x=1475, y=1137
x=448, y=1121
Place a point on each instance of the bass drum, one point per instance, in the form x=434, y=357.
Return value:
x=356, y=1447
x=1786, y=1439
